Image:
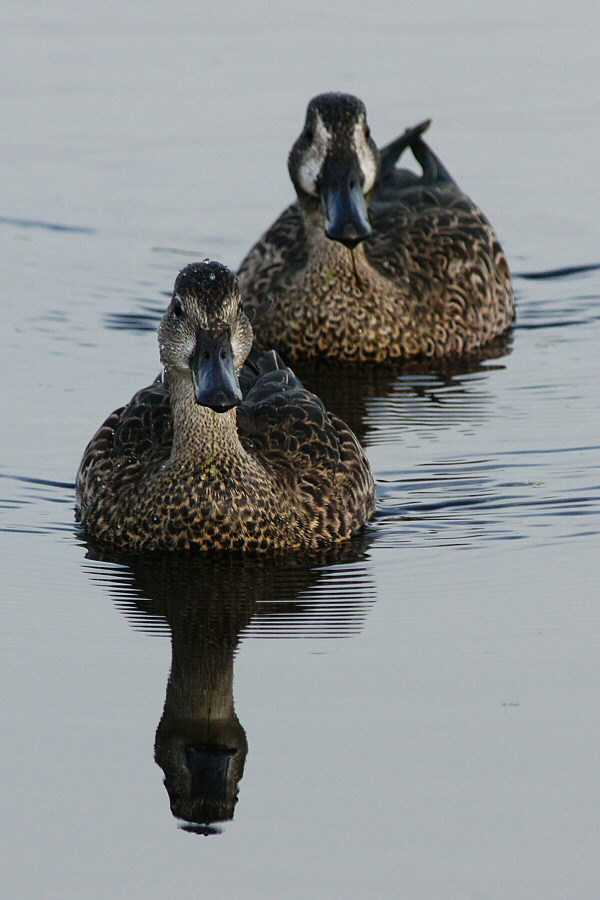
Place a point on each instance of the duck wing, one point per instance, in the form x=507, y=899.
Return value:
x=310, y=451
x=131, y=439
x=430, y=237
x=282, y=422
x=146, y=425
x=313, y=456
x=435, y=240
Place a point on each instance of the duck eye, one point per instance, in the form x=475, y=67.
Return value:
x=309, y=133
x=367, y=132
x=178, y=307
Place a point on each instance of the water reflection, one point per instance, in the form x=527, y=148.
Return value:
x=375, y=399
x=208, y=604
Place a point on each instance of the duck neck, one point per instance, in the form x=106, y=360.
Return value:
x=199, y=433
x=325, y=254
x=200, y=685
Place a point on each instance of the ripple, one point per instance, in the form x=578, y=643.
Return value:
x=31, y=498
x=552, y=303
x=467, y=501
x=146, y=320
x=48, y=226
x=558, y=273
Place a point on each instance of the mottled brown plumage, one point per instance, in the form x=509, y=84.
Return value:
x=422, y=273
x=180, y=467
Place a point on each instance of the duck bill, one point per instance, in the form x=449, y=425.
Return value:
x=215, y=380
x=344, y=205
x=209, y=767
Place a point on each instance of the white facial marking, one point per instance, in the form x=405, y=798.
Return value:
x=314, y=158
x=237, y=347
x=366, y=160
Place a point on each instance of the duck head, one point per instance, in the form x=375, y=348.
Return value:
x=204, y=336
x=336, y=161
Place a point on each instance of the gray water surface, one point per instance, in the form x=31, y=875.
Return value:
x=416, y=716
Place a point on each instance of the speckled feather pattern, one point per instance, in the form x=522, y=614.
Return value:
x=297, y=479
x=431, y=281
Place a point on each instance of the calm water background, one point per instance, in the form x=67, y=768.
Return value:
x=421, y=713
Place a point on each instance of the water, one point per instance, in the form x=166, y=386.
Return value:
x=416, y=716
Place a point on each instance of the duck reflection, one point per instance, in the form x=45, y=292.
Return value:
x=207, y=603
x=350, y=390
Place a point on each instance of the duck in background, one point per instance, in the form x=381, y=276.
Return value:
x=374, y=262
x=227, y=450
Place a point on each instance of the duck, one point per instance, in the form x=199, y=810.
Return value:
x=226, y=449
x=374, y=262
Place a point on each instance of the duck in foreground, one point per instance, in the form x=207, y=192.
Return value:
x=374, y=262
x=226, y=450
